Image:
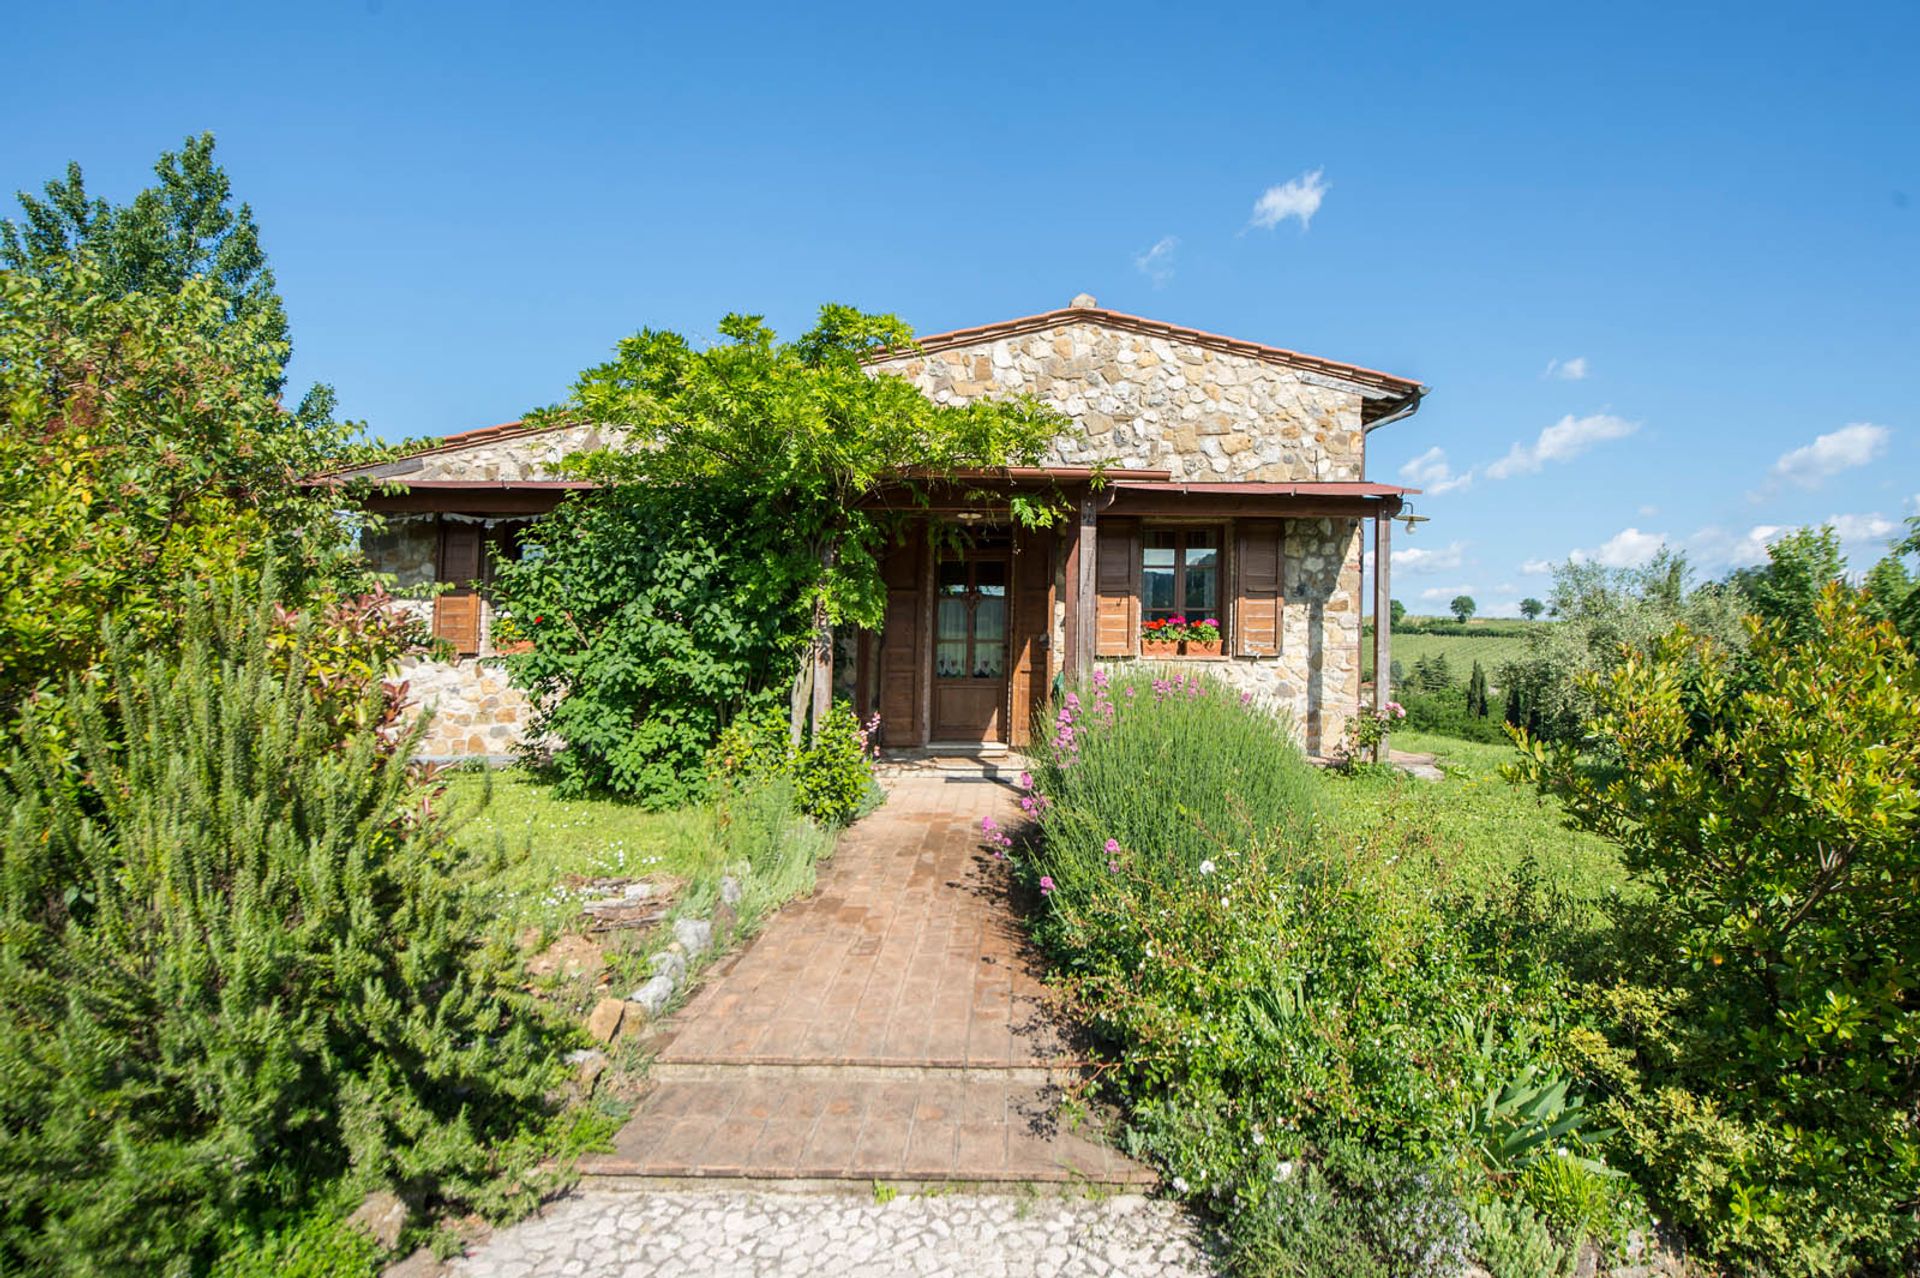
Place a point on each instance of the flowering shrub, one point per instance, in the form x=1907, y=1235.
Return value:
x=1367, y=728
x=1293, y=1021
x=1207, y=631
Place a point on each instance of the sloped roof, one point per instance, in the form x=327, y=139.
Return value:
x=1384, y=393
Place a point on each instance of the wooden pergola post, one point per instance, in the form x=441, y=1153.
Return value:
x=1383, y=613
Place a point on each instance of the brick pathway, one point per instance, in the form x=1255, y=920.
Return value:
x=890, y=1027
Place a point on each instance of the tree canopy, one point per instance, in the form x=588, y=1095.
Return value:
x=1462, y=608
x=140, y=449
x=185, y=225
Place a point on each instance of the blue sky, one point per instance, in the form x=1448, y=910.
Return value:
x=1659, y=264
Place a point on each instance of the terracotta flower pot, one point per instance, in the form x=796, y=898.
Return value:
x=1203, y=648
x=513, y=648
x=1156, y=648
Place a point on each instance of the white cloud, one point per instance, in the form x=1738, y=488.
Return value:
x=1648, y=512
x=1444, y=594
x=1157, y=262
x=1567, y=370
x=1872, y=527
x=1852, y=445
x=1562, y=441
x=1430, y=471
x=1299, y=198
x=1715, y=547
x=1425, y=559
x=1628, y=548
x=1537, y=567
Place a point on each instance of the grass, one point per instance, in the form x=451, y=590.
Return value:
x=1476, y=827
x=543, y=840
x=1461, y=651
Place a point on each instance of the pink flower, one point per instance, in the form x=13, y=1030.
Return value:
x=1026, y=780
x=1113, y=847
x=1046, y=885
x=1246, y=698
x=1113, y=867
x=1099, y=678
x=986, y=825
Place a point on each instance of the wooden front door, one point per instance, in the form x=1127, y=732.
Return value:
x=970, y=646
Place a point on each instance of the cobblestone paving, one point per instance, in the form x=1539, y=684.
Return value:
x=737, y=1233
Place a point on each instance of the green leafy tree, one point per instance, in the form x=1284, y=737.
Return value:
x=141, y=449
x=1398, y=611
x=1604, y=615
x=1531, y=608
x=801, y=433
x=1892, y=591
x=1433, y=673
x=1772, y=803
x=186, y=225
x=1800, y=565
x=657, y=617
x=1462, y=608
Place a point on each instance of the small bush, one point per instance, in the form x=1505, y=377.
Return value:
x=1515, y=1242
x=320, y=1245
x=830, y=779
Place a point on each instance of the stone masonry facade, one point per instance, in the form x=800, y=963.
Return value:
x=1149, y=403
x=477, y=712
x=1144, y=402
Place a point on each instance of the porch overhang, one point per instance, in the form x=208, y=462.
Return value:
x=1285, y=499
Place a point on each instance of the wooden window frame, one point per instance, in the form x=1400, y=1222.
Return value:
x=1222, y=537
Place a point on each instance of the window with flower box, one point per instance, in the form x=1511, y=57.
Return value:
x=1148, y=576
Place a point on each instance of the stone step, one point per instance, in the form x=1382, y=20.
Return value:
x=805, y=1124
x=1060, y=1073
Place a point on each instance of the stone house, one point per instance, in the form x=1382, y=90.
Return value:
x=1209, y=477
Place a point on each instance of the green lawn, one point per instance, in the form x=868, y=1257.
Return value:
x=542, y=840
x=1475, y=826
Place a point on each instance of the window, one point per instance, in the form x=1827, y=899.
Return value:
x=970, y=623
x=1180, y=574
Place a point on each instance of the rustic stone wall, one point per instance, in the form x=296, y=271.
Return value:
x=1315, y=678
x=477, y=713
x=1149, y=403
x=408, y=547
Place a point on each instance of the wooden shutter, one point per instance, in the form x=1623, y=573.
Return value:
x=1259, y=600
x=456, y=619
x=898, y=651
x=460, y=553
x=1032, y=626
x=1116, y=585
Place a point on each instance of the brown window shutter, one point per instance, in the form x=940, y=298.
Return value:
x=1116, y=586
x=898, y=652
x=460, y=550
x=1259, y=599
x=456, y=619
